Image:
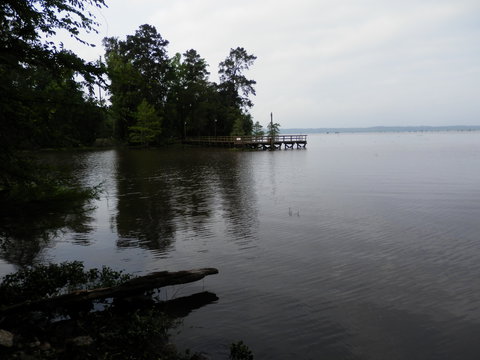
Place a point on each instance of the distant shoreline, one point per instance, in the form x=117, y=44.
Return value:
x=380, y=129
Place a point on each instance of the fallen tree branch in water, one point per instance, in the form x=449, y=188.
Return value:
x=134, y=286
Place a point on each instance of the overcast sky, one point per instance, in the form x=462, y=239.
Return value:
x=343, y=63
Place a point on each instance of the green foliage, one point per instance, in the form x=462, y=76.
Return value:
x=242, y=123
x=238, y=127
x=45, y=190
x=24, y=183
x=41, y=101
x=232, y=80
x=194, y=93
x=273, y=129
x=234, y=92
x=34, y=18
x=54, y=279
x=113, y=333
x=178, y=88
x=148, y=126
x=141, y=334
x=240, y=351
x=27, y=52
x=139, y=69
x=59, y=113
x=257, y=129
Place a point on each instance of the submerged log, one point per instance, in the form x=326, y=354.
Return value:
x=134, y=286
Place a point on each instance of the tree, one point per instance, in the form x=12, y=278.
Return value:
x=193, y=92
x=235, y=90
x=273, y=129
x=148, y=127
x=61, y=113
x=195, y=68
x=27, y=26
x=125, y=82
x=232, y=80
x=257, y=129
x=146, y=50
x=238, y=127
x=139, y=69
x=27, y=56
x=178, y=88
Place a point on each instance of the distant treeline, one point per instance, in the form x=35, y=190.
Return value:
x=381, y=129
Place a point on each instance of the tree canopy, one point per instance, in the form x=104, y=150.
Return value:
x=42, y=101
x=47, y=94
x=232, y=79
x=177, y=88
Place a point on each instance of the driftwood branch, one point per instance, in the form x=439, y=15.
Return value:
x=134, y=286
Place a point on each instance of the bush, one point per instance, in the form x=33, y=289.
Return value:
x=240, y=351
x=55, y=279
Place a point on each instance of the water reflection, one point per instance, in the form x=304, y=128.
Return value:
x=176, y=194
x=237, y=188
x=151, y=199
x=144, y=210
x=24, y=235
x=362, y=247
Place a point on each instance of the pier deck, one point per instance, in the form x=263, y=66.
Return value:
x=251, y=142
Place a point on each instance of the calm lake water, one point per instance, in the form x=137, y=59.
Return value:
x=362, y=246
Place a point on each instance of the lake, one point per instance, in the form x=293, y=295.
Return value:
x=362, y=246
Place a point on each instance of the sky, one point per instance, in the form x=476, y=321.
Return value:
x=324, y=63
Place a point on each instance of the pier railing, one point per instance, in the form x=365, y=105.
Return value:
x=251, y=141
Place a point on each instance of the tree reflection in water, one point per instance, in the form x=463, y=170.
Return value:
x=160, y=196
x=166, y=194
x=25, y=231
x=24, y=234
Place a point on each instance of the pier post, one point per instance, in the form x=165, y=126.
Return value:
x=271, y=132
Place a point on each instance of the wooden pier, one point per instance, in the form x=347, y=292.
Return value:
x=251, y=142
